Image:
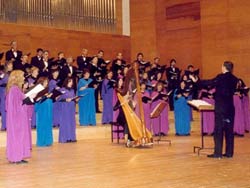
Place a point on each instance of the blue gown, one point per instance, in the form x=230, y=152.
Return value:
x=44, y=123
x=56, y=106
x=67, y=129
x=3, y=83
x=181, y=115
x=86, y=103
x=107, y=98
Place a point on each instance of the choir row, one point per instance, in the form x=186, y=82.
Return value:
x=44, y=110
x=99, y=81
x=96, y=65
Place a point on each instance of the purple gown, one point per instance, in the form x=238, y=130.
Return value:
x=115, y=113
x=18, y=143
x=3, y=83
x=146, y=109
x=107, y=97
x=56, y=106
x=160, y=124
x=239, y=127
x=31, y=111
x=246, y=111
x=67, y=128
x=208, y=118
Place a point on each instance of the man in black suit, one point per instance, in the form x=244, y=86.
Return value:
x=102, y=64
x=43, y=64
x=38, y=59
x=96, y=75
x=68, y=70
x=119, y=56
x=155, y=68
x=23, y=64
x=59, y=63
x=142, y=65
x=83, y=61
x=225, y=84
x=13, y=54
x=173, y=78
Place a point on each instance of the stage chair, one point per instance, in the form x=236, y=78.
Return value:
x=117, y=132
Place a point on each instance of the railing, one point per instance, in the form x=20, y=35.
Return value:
x=87, y=15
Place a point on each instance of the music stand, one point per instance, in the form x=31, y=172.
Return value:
x=157, y=113
x=201, y=106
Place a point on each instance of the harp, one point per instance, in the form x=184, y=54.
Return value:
x=138, y=131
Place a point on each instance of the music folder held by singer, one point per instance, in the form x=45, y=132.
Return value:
x=32, y=93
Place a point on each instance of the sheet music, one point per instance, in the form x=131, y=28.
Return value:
x=201, y=105
x=34, y=91
x=169, y=92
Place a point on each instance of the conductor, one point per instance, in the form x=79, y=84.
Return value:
x=225, y=84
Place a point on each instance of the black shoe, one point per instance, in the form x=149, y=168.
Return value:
x=214, y=156
x=18, y=162
x=227, y=155
x=162, y=134
x=240, y=135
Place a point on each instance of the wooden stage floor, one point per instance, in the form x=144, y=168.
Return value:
x=97, y=163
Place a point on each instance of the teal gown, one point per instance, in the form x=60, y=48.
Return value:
x=86, y=103
x=44, y=123
x=182, y=115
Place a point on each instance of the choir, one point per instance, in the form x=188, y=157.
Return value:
x=91, y=80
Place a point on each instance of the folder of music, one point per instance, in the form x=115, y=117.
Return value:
x=35, y=90
x=201, y=105
x=157, y=110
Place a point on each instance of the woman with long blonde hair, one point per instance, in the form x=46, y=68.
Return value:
x=18, y=143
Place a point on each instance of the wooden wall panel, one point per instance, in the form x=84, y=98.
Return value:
x=178, y=32
x=143, y=28
x=225, y=27
x=173, y=34
x=68, y=41
x=119, y=16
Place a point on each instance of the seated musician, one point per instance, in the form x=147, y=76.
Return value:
x=136, y=126
x=121, y=119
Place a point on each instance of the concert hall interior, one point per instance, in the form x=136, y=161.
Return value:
x=124, y=93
